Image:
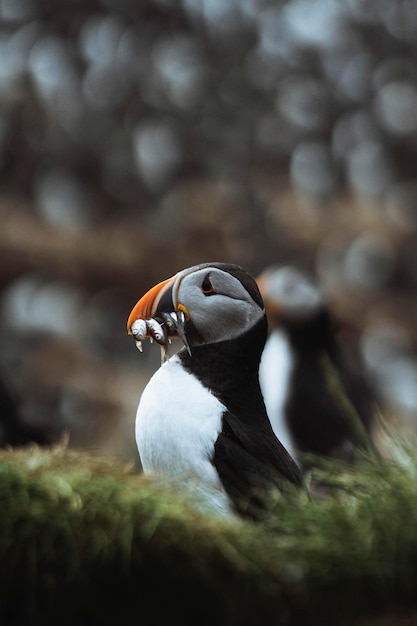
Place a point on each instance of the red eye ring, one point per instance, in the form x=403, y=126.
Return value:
x=207, y=287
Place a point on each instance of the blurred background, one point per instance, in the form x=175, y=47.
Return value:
x=138, y=138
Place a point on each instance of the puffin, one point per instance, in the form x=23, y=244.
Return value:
x=202, y=417
x=319, y=402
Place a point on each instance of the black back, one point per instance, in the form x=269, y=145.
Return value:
x=315, y=415
x=247, y=455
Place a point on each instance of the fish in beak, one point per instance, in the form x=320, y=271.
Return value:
x=159, y=316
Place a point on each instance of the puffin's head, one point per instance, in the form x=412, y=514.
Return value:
x=290, y=296
x=203, y=304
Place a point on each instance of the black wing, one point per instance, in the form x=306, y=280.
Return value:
x=250, y=461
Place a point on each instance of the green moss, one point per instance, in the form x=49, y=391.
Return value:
x=85, y=540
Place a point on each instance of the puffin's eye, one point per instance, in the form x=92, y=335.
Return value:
x=207, y=287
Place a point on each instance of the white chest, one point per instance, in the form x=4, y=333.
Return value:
x=177, y=424
x=274, y=374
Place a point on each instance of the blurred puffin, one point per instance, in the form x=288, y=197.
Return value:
x=202, y=413
x=300, y=364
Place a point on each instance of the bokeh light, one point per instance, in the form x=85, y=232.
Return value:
x=139, y=138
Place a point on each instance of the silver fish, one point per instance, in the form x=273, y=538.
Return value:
x=180, y=328
x=156, y=331
x=139, y=330
x=171, y=324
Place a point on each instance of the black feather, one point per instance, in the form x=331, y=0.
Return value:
x=250, y=461
x=323, y=428
x=247, y=455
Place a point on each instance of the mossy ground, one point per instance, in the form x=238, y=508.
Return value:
x=86, y=540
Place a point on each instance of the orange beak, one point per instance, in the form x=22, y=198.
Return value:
x=272, y=305
x=147, y=305
x=261, y=282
